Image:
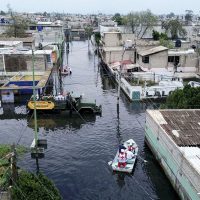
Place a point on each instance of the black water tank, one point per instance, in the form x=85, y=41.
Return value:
x=178, y=43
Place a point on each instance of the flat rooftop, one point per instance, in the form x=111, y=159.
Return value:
x=12, y=84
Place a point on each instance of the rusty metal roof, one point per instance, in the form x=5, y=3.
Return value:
x=183, y=126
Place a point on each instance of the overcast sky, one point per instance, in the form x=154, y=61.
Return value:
x=103, y=6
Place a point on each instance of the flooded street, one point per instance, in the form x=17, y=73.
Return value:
x=80, y=146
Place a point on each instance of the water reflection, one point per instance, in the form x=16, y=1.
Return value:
x=13, y=111
x=61, y=121
x=157, y=176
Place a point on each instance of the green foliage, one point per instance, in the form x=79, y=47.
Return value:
x=2, y=12
x=5, y=149
x=97, y=36
x=88, y=31
x=32, y=187
x=163, y=36
x=186, y=98
x=188, y=16
x=118, y=18
x=170, y=15
x=156, y=35
x=166, y=43
x=18, y=27
x=175, y=27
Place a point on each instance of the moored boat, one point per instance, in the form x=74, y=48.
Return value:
x=64, y=102
x=66, y=71
x=130, y=145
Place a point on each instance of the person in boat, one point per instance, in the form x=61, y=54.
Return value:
x=122, y=158
x=121, y=146
x=131, y=147
x=129, y=156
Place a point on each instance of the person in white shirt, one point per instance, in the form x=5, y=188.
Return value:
x=129, y=155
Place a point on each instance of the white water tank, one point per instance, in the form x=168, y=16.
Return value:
x=128, y=44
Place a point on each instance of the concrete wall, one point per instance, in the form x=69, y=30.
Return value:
x=15, y=63
x=112, y=39
x=181, y=174
x=188, y=63
x=115, y=56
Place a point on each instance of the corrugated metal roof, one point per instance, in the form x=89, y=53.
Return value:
x=152, y=50
x=183, y=126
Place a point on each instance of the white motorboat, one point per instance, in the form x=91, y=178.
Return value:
x=129, y=162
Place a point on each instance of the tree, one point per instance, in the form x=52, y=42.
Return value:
x=133, y=21
x=140, y=22
x=170, y=15
x=175, y=28
x=18, y=25
x=166, y=43
x=186, y=98
x=2, y=12
x=88, y=31
x=188, y=16
x=118, y=18
x=156, y=35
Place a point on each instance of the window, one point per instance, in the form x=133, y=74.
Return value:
x=145, y=59
x=173, y=59
x=48, y=57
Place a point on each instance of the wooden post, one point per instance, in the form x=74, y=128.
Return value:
x=14, y=173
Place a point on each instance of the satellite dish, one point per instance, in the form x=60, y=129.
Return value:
x=40, y=46
x=194, y=46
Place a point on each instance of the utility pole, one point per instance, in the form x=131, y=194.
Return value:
x=119, y=82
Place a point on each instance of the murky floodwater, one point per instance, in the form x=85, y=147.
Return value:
x=79, y=147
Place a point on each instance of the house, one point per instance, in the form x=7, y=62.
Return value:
x=28, y=42
x=16, y=69
x=183, y=60
x=7, y=44
x=155, y=58
x=14, y=60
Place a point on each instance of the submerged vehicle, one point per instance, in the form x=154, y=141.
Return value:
x=64, y=102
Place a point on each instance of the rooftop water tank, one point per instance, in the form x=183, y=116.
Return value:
x=128, y=44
